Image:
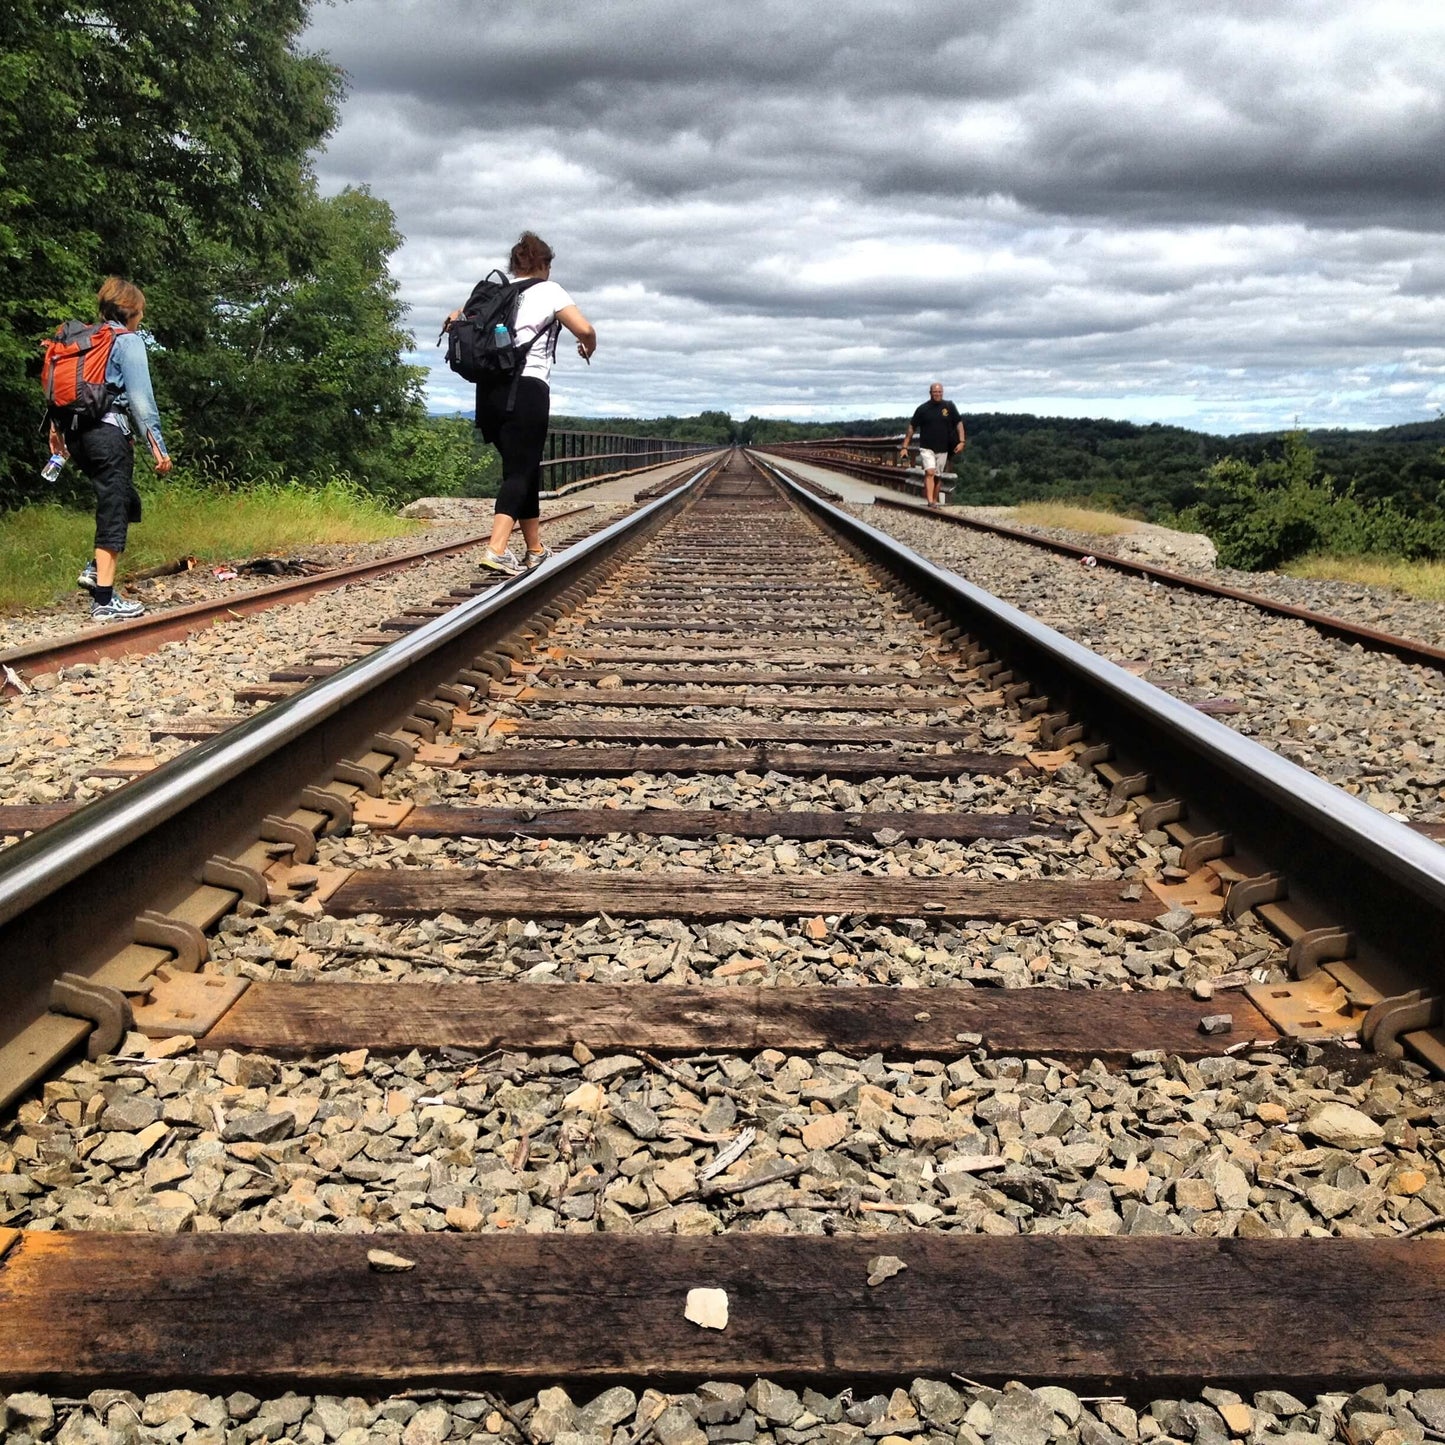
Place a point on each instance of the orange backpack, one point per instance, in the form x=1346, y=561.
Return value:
x=72, y=373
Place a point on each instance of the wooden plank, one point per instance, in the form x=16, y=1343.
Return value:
x=726, y=588
x=1110, y=1024
x=671, y=653
x=267, y=691
x=691, y=893
x=80, y=1310
x=832, y=701
x=700, y=677
x=702, y=730
x=624, y=623
x=799, y=762
x=195, y=726
x=735, y=614
x=714, y=823
x=31, y=817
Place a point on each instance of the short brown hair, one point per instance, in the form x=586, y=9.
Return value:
x=530, y=255
x=121, y=301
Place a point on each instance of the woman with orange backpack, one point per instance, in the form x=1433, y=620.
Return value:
x=98, y=431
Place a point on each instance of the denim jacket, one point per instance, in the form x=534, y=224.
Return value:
x=128, y=375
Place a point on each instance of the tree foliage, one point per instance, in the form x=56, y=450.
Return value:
x=168, y=141
x=303, y=370
x=1261, y=516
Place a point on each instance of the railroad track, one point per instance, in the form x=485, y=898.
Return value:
x=149, y=633
x=740, y=904
x=1373, y=639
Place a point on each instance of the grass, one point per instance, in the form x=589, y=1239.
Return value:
x=42, y=547
x=1422, y=580
x=1074, y=518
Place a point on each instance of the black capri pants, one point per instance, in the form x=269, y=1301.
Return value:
x=519, y=435
x=106, y=455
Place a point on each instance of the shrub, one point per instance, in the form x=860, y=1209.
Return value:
x=1260, y=517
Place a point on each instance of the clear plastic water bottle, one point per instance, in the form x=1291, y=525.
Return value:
x=51, y=471
x=501, y=337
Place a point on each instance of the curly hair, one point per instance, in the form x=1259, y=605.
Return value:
x=530, y=255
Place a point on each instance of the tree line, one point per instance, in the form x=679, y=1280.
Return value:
x=168, y=141
x=1264, y=497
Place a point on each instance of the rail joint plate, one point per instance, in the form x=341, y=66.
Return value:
x=185, y=1003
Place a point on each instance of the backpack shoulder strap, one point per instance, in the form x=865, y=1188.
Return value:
x=484, y=289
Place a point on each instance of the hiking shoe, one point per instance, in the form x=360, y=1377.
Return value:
x=87, y=576
x=506, y=564
x=118, y=609
x=535, y=559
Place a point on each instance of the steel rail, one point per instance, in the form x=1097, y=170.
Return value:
x=155, y=629
x=69, y=894
x=1348, y=861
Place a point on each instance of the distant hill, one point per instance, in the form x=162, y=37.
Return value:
x=1150, y=471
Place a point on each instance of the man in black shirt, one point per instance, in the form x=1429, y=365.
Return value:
x=940, y=435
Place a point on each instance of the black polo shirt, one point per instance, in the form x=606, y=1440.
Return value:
x=936, y=423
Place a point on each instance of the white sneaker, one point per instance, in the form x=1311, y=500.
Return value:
x=535, y=559
x=118, y=609
x=506, y=564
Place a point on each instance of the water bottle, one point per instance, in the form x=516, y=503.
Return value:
x=51, y=471
x=501, y=337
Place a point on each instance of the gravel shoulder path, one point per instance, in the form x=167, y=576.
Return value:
x=1381, y=607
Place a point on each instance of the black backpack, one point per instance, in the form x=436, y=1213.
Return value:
x=482, y=341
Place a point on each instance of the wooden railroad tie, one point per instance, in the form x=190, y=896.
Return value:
x=689, y=893
x=666, y=1019
x=750, y=729
x=441, y=822
x=606, y=762
x=83, y=1310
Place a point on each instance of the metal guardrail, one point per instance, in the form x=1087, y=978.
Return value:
x=566, y=453
x=871, y=459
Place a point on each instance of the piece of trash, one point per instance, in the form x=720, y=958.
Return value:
x=1089, y=561
x=280, y=567
x=14, y=679
x=224, y=574
x=707, y=1308
x=884, y=1266
x=735, y=1150
x=166, y=569
x=385, y=1262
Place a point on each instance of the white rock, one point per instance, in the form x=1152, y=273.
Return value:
x=1343, y=1127
x=707, y=1308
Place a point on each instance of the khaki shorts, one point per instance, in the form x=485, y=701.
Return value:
x=933, y=461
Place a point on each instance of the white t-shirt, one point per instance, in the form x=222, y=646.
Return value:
x=537, y=309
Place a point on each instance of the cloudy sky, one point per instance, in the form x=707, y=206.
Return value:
x=1219, y=213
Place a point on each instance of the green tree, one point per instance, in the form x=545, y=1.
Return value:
x=163, y=140
x=302, y=371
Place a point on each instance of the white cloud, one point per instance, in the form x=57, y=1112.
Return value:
x=1226, y=215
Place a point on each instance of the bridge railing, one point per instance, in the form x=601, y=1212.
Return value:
x=570, y=457
x=873, y=459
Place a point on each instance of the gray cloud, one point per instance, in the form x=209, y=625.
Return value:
x=796, y=208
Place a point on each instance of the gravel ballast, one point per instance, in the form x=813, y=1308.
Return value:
x=1362, y=720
